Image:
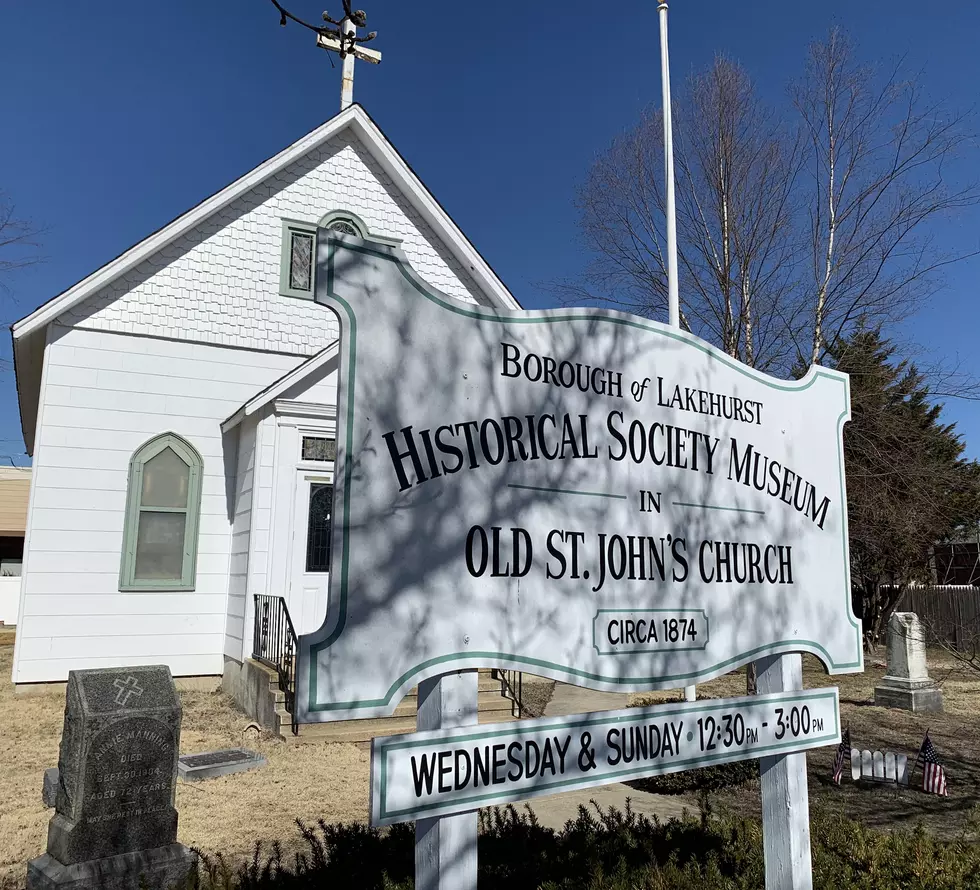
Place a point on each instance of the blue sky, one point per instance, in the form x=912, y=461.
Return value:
x=116, y=117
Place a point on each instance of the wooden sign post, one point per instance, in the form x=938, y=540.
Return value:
x=785, y=797
x=445, y=847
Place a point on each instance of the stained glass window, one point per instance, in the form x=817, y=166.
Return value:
x=344, y=227
x=301, y=261
x=318, y=448
x=318, y=534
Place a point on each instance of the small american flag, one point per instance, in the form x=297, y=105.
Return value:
x=933, y=775
x=843, y=752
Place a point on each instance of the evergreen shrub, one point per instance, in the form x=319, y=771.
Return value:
x=612, y=851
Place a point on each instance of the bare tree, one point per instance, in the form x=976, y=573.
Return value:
x=19, y=240
x=793, y=225
x=737, y=165
x=877, y=171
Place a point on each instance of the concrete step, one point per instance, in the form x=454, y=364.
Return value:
x=486, y=684
x=358, y=731
x=487, y=703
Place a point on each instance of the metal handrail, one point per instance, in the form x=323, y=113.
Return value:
x=274, y=644
x=513, y=689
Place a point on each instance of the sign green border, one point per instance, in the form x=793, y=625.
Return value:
x=325, y=294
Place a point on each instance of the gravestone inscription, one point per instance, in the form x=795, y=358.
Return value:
x=115, y=825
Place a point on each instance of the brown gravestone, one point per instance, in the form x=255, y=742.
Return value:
x=115, y=826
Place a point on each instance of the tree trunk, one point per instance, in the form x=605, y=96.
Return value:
x=751, y=679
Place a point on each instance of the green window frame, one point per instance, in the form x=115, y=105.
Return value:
x=340, y=220
x=292, y=229
x=136, y=512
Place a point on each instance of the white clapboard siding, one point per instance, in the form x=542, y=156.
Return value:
x=178, y=344
x=192, y=665
x=97, y=604
x=146, y=642
x=164, y=624
x=69, y=558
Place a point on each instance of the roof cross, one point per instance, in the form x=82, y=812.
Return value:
x=342, y=40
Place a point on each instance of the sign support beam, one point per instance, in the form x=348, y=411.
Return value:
x=785, y=803
x=445, y=847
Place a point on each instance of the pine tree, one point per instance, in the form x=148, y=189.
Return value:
x=908, y=484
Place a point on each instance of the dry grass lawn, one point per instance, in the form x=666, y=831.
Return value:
x=330, y=782
x=228, y=814
x=954, y=733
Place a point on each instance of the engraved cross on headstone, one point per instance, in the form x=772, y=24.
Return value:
x=127, y=688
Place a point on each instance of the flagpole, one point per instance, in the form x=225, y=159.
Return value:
x=673, y=303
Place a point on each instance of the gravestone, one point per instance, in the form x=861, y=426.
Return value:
x=115, y=826
x=211, y=764
x=907, y=684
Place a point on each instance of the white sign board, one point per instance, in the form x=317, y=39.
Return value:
x=440, y=773
x=581, y=494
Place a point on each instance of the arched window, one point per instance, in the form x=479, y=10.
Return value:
x=163, y=505
x=345, y=222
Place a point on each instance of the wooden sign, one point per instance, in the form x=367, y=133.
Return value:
x=581, y=494
x=444, y=772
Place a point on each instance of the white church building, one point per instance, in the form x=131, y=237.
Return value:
x=179, y=405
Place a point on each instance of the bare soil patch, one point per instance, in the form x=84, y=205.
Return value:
x=956, y=735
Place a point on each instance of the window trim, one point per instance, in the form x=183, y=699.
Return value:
x=288, y=227
x=308, y=228
x=134, y=493
x=346, y=216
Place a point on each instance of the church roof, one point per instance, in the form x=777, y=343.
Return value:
x=28, y=333
x=284, y=383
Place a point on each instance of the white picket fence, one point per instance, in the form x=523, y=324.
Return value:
x=878, y=766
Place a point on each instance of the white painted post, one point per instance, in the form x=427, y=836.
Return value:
x=673, y=299
x=785, y=804
x=347, y=68
x=445, y=848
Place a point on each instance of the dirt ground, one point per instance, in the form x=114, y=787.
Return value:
x=228, y=814
x=955, y=734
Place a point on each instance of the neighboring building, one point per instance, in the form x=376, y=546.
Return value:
x=15, y=487
x=179, y=404
x=957, y=563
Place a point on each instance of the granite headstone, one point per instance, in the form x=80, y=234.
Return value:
x=906, y=683
x=115, y=826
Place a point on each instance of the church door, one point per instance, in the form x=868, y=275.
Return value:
x=310, y=551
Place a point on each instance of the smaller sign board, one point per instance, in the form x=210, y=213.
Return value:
x=443, y=772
